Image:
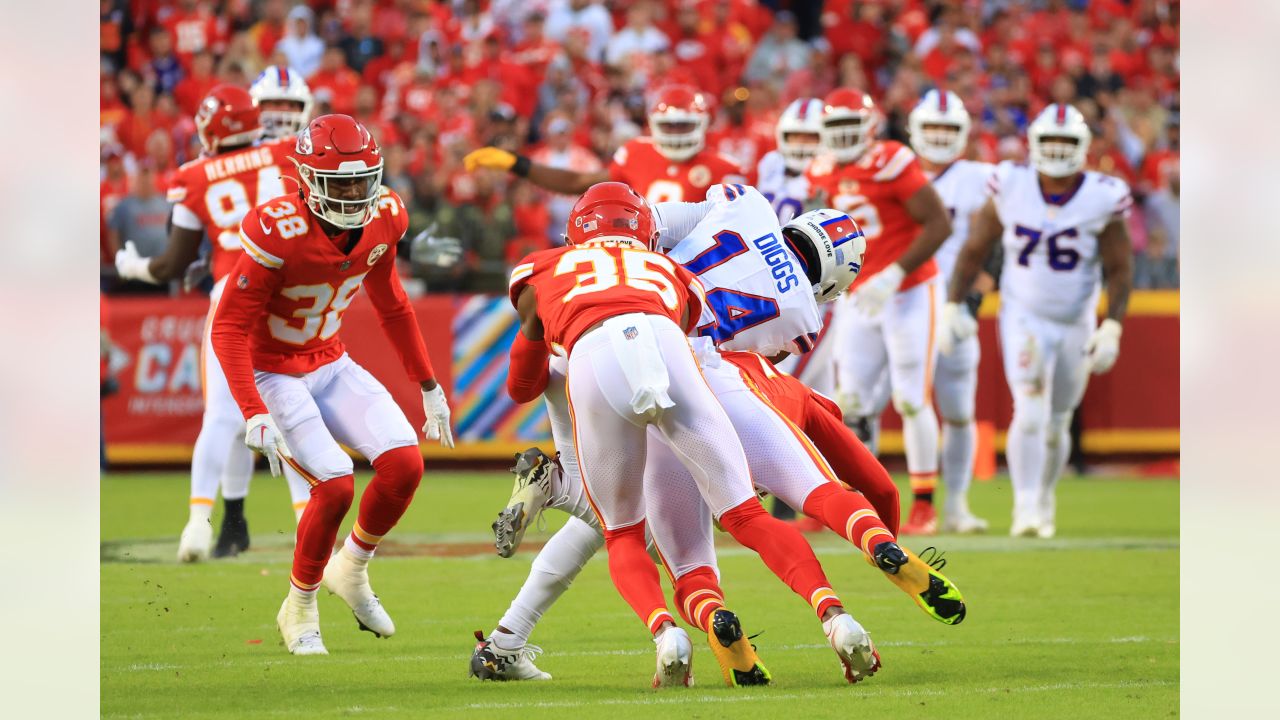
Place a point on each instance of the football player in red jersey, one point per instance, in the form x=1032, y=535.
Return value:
x=888, y=319
x=672, y=164
x=275, y=332
x=616, y=310
x=211, y=195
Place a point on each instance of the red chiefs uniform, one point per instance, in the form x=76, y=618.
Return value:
x=215, y=193
x=639, y=164
x=611, y=280
x=874, y=191
x=289, y=289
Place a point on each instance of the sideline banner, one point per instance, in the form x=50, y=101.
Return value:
x=155, y=416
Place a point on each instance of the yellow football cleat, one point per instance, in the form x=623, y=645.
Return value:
x=737, y=656
x=924, y=582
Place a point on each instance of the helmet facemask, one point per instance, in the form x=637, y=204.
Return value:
x=346, y=197
x=282, y=117
x=847, y=134
x=798, y=148
x=939, y=142
x=679, y=134
x=1058, y=155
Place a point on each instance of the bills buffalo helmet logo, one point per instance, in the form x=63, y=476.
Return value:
x=376, y=253
x=631, y=333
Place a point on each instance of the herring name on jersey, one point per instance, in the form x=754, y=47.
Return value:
x=639, y=164
x=786, y=193
x=578, y=286
x=315, y=277
x=758, y=297
x=214, y=194
x=873, y=190
x=1051, y=262
x=962, y=185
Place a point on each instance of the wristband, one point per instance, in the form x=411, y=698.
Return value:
x=522, y=166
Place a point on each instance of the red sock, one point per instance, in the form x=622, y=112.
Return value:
x=698, y=595
x=849, y=515
x=853, y=463
x=635, y=575
x=784, y=550
x=397, y=473
x=318, y=529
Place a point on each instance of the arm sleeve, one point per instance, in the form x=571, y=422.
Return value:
x=244, y=301
x=676, y=220
x=527, y=374
x=397, y=318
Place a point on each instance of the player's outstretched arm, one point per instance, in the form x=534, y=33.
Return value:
x=925, y=207
x=569, y=182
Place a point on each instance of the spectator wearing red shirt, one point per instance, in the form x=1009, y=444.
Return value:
x=1162, y=163
x=514, y=79
x=697, y=50
x=860, y=31
x=111, y=109
x=535, y=51
x=195, y=28
x=194, y=87
x=269, y=30
x=140, y=121
x=334, y=83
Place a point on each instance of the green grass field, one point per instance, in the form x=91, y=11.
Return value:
x=1085, y=625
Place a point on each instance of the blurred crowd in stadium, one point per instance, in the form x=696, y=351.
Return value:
x=565, y=81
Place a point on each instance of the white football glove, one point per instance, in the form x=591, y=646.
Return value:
x=1103, y=347
x=437, y=410
x=264, y=437
x=132, y=266
x=957, y=326
x=878, y=289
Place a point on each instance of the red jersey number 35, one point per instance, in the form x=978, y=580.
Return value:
x=601, y=270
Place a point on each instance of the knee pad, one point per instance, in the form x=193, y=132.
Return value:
x=400, y=467
x=906, y=409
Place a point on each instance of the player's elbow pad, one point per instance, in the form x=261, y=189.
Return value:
x=528, y=375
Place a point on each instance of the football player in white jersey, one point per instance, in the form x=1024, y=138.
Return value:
x=780, y=174
x=284, y=100
x=939, y=127
x=1063, y=233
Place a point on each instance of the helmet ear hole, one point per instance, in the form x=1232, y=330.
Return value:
x=806, y=252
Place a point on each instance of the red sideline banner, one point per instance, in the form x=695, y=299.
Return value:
x=155, y=416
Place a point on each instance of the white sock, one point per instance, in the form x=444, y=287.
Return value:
x=302, y=597
x=958, y=446
x=507, y=641
x=1057, y=450
x=201, y=511
x=357, y=552
x=1025, y=449
x=920, y=439
x=553, y=570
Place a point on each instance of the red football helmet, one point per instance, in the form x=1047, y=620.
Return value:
x=678, y=119
x=611, y=211
x=341, y=170
x=848, y=123
x=227, y=116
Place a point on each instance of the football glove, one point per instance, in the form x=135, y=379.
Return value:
x=957, y=326
x=132, y=266
x=489, y=157
x=262, y=436
x=1103, y=347
x=437, y=409
x=878, y=289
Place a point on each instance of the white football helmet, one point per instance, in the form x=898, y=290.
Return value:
x=830, y=245
x=802, y=117
x=282, y=88
x=1058, y=141
x=939, y=127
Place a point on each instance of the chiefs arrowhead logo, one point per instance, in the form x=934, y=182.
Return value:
x=376, y=253
x=304, y=142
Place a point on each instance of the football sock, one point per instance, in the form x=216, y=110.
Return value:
x=958, y=446
x=201, y=509
x=554, y=569
x=854, y=464
x=233, y=510
x=920, y=440
x=635, y=575
x=1026, y=452
x=397, y=473
x=783, y=549
x=698, y=596
x=849, y=515
x=922, y=487
x=318, y=529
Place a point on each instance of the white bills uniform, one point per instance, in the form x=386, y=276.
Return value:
x=962, y=186
x=1049, y=286
x=786, y=193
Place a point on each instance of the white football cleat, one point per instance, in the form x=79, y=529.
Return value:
x=299, y=625
x=853, y=646
x=196, y=541
x=490, y=661
x=348, y=577
x=1046, y=531
x=675, y=658
x=963, y=524
x=1025, y=526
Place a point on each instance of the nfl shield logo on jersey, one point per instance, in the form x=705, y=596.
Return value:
x=242, y=282
x=631, y=333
